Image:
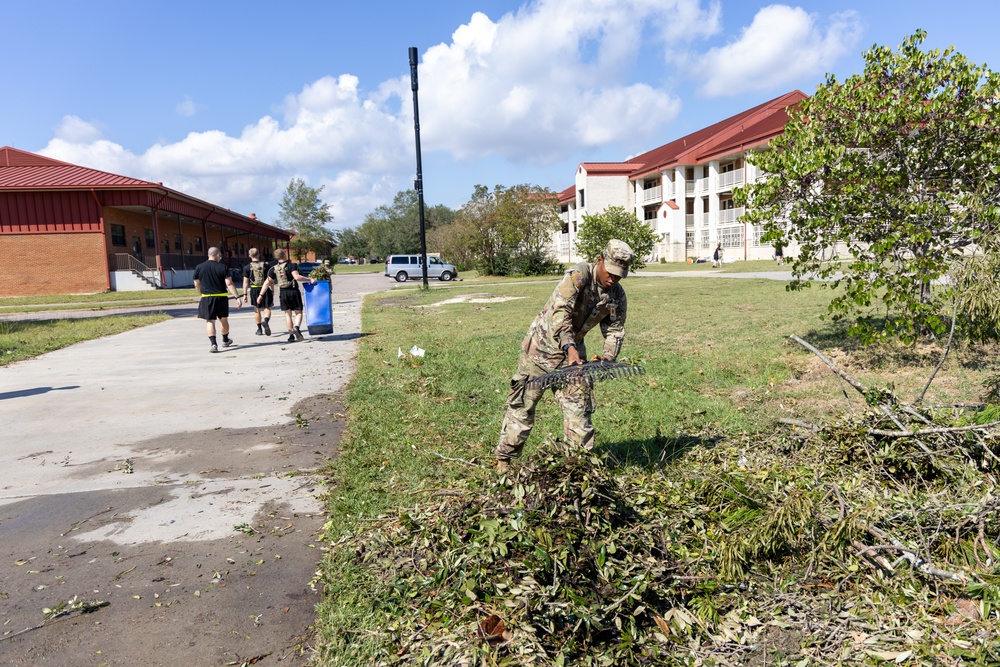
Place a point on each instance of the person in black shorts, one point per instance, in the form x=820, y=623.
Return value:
x=211, y=279
x=286, y=276
x=254, y=275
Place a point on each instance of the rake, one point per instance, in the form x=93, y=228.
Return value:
x=590, y=371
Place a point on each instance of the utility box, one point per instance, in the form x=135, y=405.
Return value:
x=318, y=307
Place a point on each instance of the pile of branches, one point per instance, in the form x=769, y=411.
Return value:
x=873, y=538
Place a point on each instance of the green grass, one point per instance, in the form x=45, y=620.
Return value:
x=719, y=366
x=699, y=341
x=377, y=267
x=101, y=301
x=25, y=340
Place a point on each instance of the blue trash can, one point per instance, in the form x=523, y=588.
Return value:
x=318, y=308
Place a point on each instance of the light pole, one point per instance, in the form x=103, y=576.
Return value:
x=418, y=184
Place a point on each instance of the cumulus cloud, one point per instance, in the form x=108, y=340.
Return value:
x=782, y=45
x=74, y=129
x=552, y=79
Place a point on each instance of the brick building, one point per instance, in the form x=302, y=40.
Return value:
x=67, y=229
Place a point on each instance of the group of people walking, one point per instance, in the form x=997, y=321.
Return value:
x=260, y=279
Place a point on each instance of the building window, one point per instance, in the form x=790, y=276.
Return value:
x=178, y=242
x=197, y=243
x=166, y=247
x=118, y=235
x=583, y=201
x=150, y=239
x=190, y=248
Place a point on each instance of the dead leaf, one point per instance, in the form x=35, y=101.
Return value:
x=492, y=630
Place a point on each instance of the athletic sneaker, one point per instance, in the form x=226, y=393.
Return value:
x=258, y=333
x=214, y=348
x=267, y=329
x=298, y=335
x=291, y=338
x=227, y=343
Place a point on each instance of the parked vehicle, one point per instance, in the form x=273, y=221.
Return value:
x=405, y=267
x=306, y=267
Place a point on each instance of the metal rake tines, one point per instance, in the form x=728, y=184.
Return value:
x=591, y=371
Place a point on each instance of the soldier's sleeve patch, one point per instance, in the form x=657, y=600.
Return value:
x=578, y=279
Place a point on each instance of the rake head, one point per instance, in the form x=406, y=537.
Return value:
x=590, y=371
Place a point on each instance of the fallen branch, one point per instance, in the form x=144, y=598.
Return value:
x=447, y=458
x=947, y=349
x=862, y=389
x=809, y=426
x=915, y=560
x=927, y=431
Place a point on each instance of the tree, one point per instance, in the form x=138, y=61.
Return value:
x=508, y=230
x=395, y=228
x=897, y=166
x=352, y=243
x=304, y=213
x=615, y=222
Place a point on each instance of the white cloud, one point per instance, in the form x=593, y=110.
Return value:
x=537, y=86
x=552, y=79
x=782, y=45
x=186, y=107
x=76, y=130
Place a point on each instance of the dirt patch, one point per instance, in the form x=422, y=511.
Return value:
x=243, y=598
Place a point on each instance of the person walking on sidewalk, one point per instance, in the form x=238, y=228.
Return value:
x=587, y=296
x=212, y=281
x=254, y=275
x=717, y=256
x=286, y=276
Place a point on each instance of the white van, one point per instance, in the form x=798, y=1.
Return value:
x=406, y=267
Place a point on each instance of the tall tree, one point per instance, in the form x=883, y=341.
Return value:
x=508, y=230
x=303, y=212
x=352, y=243
x=896, y=166
x=395, y=228
x=615, y=222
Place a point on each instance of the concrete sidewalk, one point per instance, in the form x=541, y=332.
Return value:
x=173, y=484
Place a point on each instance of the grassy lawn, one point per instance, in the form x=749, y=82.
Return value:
x=24, y=340
x=720, y=372
x=101, y=301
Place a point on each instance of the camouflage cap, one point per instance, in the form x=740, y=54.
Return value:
x=617, y=257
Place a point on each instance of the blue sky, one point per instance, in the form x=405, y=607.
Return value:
x=228, y=101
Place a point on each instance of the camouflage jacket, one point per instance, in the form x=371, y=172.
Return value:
x=577, y=305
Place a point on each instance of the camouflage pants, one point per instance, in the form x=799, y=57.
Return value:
x=576, y=401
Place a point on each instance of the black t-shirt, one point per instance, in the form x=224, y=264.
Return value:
x=212, y=275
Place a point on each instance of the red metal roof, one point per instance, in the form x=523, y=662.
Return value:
x=747, y=128
x=569, y=194
x=24, y=172
x=21, y=170
x=608, y=168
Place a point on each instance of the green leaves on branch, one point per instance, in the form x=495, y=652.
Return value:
x=886, y=181
x=615, y=222
x=305, y=213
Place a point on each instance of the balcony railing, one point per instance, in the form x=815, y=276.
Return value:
x=730, y=179
x=731, y=215
x=651, y=195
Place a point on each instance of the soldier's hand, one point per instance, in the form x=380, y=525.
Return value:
x=573, y=357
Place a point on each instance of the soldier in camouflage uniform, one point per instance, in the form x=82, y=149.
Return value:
x=588, y=295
